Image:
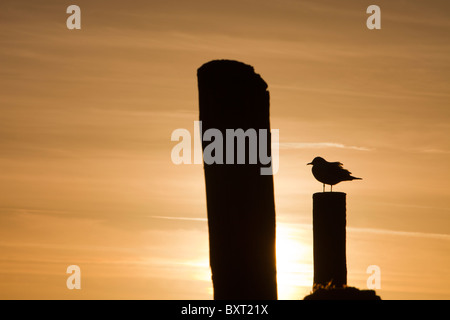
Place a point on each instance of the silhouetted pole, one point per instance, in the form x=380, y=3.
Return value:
x=329, y=221
x=240, y=201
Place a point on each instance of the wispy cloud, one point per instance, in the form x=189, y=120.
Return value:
x=179, y=218
x=439, y=236
x=435, y=151
x=319, y=145
x=302, y=227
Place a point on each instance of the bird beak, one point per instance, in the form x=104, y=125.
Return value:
x=309, y=163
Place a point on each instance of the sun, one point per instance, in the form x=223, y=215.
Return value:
x=294, y=267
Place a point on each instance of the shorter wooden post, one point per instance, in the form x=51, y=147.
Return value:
x=329, y=236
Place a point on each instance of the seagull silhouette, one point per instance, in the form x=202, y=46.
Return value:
x=330, y=172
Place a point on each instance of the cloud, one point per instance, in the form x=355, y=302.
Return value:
x=319, y=145
x=299, y=228
x=179, y=218
x=435, y=151
x=439, y=236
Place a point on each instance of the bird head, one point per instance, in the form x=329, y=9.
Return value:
x=317, y=160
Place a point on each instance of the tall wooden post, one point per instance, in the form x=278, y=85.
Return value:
x=240, y=201
x=329, y=236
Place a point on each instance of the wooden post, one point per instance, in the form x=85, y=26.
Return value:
x=329, y=221
x=240, y=201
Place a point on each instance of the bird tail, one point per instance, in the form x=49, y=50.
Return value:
x=355, y=178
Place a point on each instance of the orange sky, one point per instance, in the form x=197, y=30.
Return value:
x=86, y=118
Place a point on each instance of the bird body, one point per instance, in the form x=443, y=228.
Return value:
x=330, y=173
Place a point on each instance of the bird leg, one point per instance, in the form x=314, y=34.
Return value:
x=331, y=188
x=324, y=187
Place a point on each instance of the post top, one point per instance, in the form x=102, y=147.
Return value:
x=329, y=194
x=228, y=72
